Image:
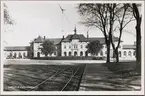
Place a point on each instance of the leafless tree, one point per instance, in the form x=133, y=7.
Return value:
x=105, y=17
x=7, y=17
x=123, y=17
x=98, y=15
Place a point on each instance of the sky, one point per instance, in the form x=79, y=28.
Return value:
x=34, y=18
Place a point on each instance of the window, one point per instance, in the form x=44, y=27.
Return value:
x=101, y=53
x=75, y=53
x=54, y=53
x=65, y=54
x=134, y=53
x=20, y=56
x=75, y=46
x=124, y=53
x=129, y=53
x=15, y=55
x=70, y=46
x=69, y=53
x=81, y=53
x=11, y=55
x=24, y=55
x=119, y=53
x=64, y=46
x=81, y=46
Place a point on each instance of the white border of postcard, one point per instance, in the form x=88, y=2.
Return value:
x=76, y=92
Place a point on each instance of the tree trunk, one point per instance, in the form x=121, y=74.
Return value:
x=108, y=52
x=138, y=37
x=138, y=45
x=116, y=55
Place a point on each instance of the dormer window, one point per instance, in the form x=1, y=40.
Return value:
x=70, y=47
x=75, y=46
x=81, y=46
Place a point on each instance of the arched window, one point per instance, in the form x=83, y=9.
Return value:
x=69, y=53
x=15, y=55
x=86, y=53
x=129, y=53
x=134, y=53
x=119, y=53
x=75, y=53
x=124, y=53
x=20, y=56
x=65, y=54
x=81, y=53
x=24, y=54
x=101, y=53
x=10, y=55
x=55, y=53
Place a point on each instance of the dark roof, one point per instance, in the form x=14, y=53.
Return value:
x=39, y=39
x=101, y=39
x=55, y=40
x=17, y=48
x=129, y=47
x=81, y=38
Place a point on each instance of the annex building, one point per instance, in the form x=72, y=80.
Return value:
x=71, y=45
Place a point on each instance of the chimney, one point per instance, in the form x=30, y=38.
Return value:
x=63, y=37
x=44, y=37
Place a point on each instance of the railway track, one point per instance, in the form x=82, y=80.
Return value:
x=67, y=79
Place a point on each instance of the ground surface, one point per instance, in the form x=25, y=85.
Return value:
x=41, y=77
x=97, y=77
x=32, y=74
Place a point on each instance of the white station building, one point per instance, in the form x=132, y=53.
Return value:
x=71, y=45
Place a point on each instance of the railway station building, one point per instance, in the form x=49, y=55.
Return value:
x=71, y=45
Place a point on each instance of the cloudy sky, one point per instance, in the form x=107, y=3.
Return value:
x=34, y=18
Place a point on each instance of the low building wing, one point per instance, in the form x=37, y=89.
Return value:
x=17, y=48
x=129, y=47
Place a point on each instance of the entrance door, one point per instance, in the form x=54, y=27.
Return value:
x=38, y=54
x=75, y=53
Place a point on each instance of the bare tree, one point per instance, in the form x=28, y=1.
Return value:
x=98, y=15
x=7, y=17
x=105, y=17
x=122, y=18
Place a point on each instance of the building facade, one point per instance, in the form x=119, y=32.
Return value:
x=71, y=45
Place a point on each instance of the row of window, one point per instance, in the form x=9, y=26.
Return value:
x=125, y=53
x=129, y=53
x=15, y=55
x=75, y=53
x=74, y=46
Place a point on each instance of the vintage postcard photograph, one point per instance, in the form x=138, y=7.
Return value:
x=72, y=47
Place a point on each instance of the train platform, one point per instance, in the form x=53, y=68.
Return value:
x=97, y=77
